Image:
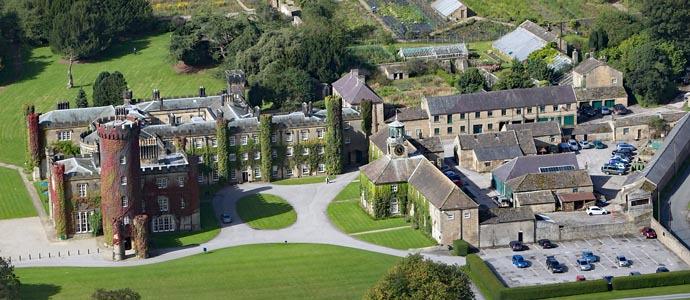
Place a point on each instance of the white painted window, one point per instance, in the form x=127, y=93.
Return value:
x=394, y=188
x=200, y=178
x=245, y=156
x=450, y=215
x=232, y=141
x=201, y=159
x=289, y=151
x=163, y=203
x=320, y=149
x=123, y=180
x=180, y=181
x=182, y=203
x=305, y=151
x=215, y=157
x=83, y=225
x=214, y=143
x=319, y=133
x=162, y=182
x=123, y=160
x=274, y=171
x=163, y=223
x=305, y=169
x=394, y=206
x=124, y=201
x=82, y=189
x=274, y=153
x=257, y=155
x=215, y=176
x=256, y=138
x=233, y=157
x=233, y=175
x=199, y=143
x=257, y=172
x=288, y=172
x=288, y=136
x=466, y=214
x=64, y=135
x=245, y=139
x=347, y=139
x=273, y=138
x=304, y=134
x=125, y=220
x=322, y=168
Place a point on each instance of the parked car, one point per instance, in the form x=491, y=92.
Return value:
x=596, y=210
x=553, y=265
x=584, y=265
x=648, y=233
x=610, y=169
x=618, y=163
x=518, y=246
x=450, y=173
x=580, y=278
x=589, y=256
x=605, y=110
x=598, y=144
x=661, y=269
x=574, y=146
x=226, y=218
x=623, y=151
x=585, y=144
x=622, y=158
x=546, y=244
x=563, y=147
x=620, y=109
x=622, y=261
x=635, y=273
x=621, y=145
x=520, y=261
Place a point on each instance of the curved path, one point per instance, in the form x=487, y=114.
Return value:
x=312, y=226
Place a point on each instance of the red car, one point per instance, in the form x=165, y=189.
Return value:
x=649, y=233
x=580, y=278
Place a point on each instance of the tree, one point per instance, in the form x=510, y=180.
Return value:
x=471, y=81
x=334, y=135
x=265, y=139
x=81, y=100
x=649, y=76
x=10, y=36
x=127, y=16
x=187, y=43
x=9, y=282
x=618, y=25
x=538, y=69
x=223, y=149
x=667, y=19
x=417, y=278
x=285, y=87
x=658, y=126
x=515, y=78
x=108, y=89
x=121, y=294
x=366, y=112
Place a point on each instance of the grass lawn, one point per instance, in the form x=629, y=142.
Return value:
x=14, y=199
x=405, y=238
x=410, y=91
x=665, y=290
x=44, y=79
x=42, y=191
x=265, y=211
x=302, y=180
x=293, y=271
x=517, y=11
x=209, y=229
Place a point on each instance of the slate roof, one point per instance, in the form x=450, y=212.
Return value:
x=79, y=166
x=670, y=117
x=664, y=163
x=592, y=128
x=353, y=90
x=409, y=114
x=180, y=104
x=169, y=131
x=550, y=181
x=446, y=7
x=498, y=145
x=526, y=142
x=497, y=153
x=75, y=116
x=535, y=198
x=579, y=196
x=600, y=93
x=438, y=189
x=530, y=164
x=538, y=129
x=498, y=215
x=588, y=65
x=379, y=139
x=506, y=99
x=390, y=170
x=427, y=145
x=488, y=139
x=525, y=39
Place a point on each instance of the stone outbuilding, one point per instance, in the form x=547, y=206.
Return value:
x=635, y=128
x=539, y=201
x=546, y=135
x=499, y=226
x=485, y=151
x=576, y=201
x=591, y=131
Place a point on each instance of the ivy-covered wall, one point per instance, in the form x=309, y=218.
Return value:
x=378, y=197
x=33, y=142
x=265, y=130
x=222, y=149
x=59, y=201
x=418, y=210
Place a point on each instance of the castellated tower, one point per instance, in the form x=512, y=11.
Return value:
x=121, y=194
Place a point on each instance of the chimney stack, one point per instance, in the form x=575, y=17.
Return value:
x=575, y=56
x=202, y=91
x=223, y=98
x=157, y=97
x=257, y=111
x=63, y=105
x=310, y=108
x=304, y=108
x=127, y=97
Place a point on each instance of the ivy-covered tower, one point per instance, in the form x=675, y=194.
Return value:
x=120, y=179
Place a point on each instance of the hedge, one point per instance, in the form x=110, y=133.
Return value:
x=486, y=276
x=651, y=280
x=555, y=290
x=461, y=248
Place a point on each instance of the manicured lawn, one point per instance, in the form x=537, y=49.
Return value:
x=302, y=180
x=44, y=79
x=42, y=191
x=666, y=290
x=268, y=271
x=265, y=211
x=14, y=199
x=209, y=229
x=405, y=238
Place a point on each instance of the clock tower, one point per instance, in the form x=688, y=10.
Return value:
x=396, y=139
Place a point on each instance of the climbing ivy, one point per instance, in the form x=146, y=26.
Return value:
x=222, y=150
x=313, y=159
x=334, y=135
x=265, y=130
x=366, y=116
x=57, y=188
x=140, y=241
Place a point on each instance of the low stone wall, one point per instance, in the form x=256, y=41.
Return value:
x=556, y=232
x=671, y=242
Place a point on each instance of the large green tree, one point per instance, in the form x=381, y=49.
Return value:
x=366, y=111
x=650, y=76
x=109, y=88
x=81, y=100
x=417, y=278
x=618, y=25
x=470, y=81
x=516, y=78
x=334, y=135
x=9, y=282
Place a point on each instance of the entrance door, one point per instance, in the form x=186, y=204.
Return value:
x=245, y=176
x=519, y=236
x=358, y=156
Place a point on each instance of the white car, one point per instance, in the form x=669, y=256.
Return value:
x=226, y=218
x=574, y=146
x=585, y=144
x=596, y=210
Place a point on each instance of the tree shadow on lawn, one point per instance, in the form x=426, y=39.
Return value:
x=28, y=67
x=255, y=207
x=120, y=49
x=38, y=291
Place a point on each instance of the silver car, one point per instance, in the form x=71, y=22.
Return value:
x=585, y=144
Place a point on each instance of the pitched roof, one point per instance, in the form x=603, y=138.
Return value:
x=588, y=65
x=506, y=99
x=538, y=129
x=80, y=166
x=380, y=140
x=498, y=145
x=530, y=164
x=438, y=189
x=524, y=40
x=497, y=152
x=75, y=116
x=644, y=119
x=526, y=142
x=668, y=159
x=499, y=215
x=487, y=140
x=534, y=198
x=409, y=114
x=579, y=196
x=600, y=93
x=391, y=170
x=353, y=89
x=430, y=144
x=550, y=181
x=446, y=7
x=592, y=128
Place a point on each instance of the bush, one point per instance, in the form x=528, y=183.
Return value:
x=122, y=294
x=555, y=290
x=486, y=276
x=461, y=248
x=651, y=280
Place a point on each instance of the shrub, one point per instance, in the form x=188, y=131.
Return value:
x=651, y=280
x=121, y=294
x=555, y=290
x=461, y=248
x=486, y=276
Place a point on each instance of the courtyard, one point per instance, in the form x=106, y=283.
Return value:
x=645, y=254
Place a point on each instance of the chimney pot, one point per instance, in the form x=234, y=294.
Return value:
x=202, y=91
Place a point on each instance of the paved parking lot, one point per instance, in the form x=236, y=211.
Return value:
x=645, y=255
